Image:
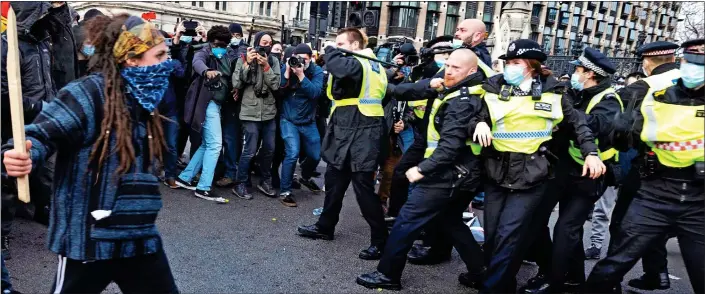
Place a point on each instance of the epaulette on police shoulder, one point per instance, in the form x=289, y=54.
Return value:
x=660, y=93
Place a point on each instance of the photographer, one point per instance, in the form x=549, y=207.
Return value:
x=257, y=75
x=406, y=59
x=213, y=63
x=301, y=83
x=190, y=37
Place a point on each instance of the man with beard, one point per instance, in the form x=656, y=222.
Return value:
x=447, y=150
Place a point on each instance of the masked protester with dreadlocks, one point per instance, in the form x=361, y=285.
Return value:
x=106, y=131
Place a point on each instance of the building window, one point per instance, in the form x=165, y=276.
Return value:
x=601, y=26
x=488, y=28
x=535, y=37
x=405, y=3
x=265, y=8
x=577, y=10
x=470, y=10
x=452, y=18
x=405, y=19
x=193, y=3
x=552, y=12
x=433, y=6
x=560, y=46
x=217, y=5
x=627, y=8
x=536, y=10
x=565, y=7
x=200, y=3
x=609, y=30
x=431, y=27
x=488, y=12
x=374, y=4
x=589, y=24
x=547, y=31
x=632, y=35
x=565, y=18
x=576, y=20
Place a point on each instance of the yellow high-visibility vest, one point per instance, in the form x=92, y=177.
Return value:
x=374, y=87
x=604, y=155
x=675, y=133
x=522, y=124
x=433, y=136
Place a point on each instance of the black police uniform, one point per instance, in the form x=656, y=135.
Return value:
x=352, y=149
x=434, y=197
x=563, y=259
x=667, y=200
x=655, y=261
x=517, y=181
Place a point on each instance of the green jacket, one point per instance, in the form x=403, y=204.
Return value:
x=252, y=78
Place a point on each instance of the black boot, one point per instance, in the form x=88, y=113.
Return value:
x=314, y=232
x=371, y=253
x=423, y=256
x=377, y=280
x=471, y=280
x=651, y=282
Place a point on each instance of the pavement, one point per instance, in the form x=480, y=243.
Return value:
x=251, y=247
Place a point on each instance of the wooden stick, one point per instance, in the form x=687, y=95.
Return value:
x=16, y=108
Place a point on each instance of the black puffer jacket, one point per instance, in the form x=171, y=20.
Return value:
x=64, y=67
x=524, y=171
x=35, y=51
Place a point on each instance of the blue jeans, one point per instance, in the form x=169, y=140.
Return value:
x=171, y=134
x=407, y=138
x=294, y=136
x=232, y=141
x=206, y=157
x=254, y=131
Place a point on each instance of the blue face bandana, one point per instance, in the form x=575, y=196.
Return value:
x=219, y=52
x=148, y=83
x=186, y=39
x=88, y=50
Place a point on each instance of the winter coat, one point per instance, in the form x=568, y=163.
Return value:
x=64, y=67
x=198, y=96
x=35, y=51
x=299, y=104
x=264, y=79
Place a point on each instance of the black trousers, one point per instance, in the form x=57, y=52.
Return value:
x=647, y=222
x=564, y=257
x=655, y=260
x=337, y=182
x=423, y=206
x=143, y=274
x=507, y=217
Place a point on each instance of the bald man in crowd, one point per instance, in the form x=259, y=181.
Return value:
x=470, y=33
x=435, y=196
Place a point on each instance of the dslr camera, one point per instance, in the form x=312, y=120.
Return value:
x=261, y=51
x=296, y=62
x=190, y=27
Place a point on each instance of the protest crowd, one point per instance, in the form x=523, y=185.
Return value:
x=116, y=109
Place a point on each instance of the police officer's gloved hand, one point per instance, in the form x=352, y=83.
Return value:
x=621, y=129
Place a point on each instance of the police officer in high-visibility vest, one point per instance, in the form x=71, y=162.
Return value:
x=353, y=140
x=562, y=262
x=668, y=130
x=659, y=65
x=450, y=163
x=522, y=107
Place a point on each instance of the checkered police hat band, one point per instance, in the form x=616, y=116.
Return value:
x=524, y=50
x=591, y=66
x=660, y=52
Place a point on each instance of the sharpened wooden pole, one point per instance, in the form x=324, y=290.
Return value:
x=16, y=108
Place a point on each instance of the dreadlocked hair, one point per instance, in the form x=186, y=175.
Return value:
x=103, y=31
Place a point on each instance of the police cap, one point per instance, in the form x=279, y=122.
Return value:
x=694, y=51
x=657, y=48
x=525, y=49
x=594, y=60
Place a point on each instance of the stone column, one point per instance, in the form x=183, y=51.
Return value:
x=383, y=19
x=421, y=26
x=440, y=30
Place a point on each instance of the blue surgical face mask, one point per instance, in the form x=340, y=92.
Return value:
x=219, y=52
x=514, y=74
x=147, y=84
x=693, y=75
x=576, y=83
x=186, y=39
x=235, y=41
x=88, y=50
x=440, y=63
x=457, y=43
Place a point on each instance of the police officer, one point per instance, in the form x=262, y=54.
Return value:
x=591, y=93
x=658, y=63
x=667, y=129
x=523, y=105
x=352, y=144
x=447, y=157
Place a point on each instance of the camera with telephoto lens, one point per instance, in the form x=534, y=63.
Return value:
x=261, y=51
x=296, y=62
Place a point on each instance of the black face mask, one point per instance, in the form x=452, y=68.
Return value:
x=278, y=56
x=267, y=49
